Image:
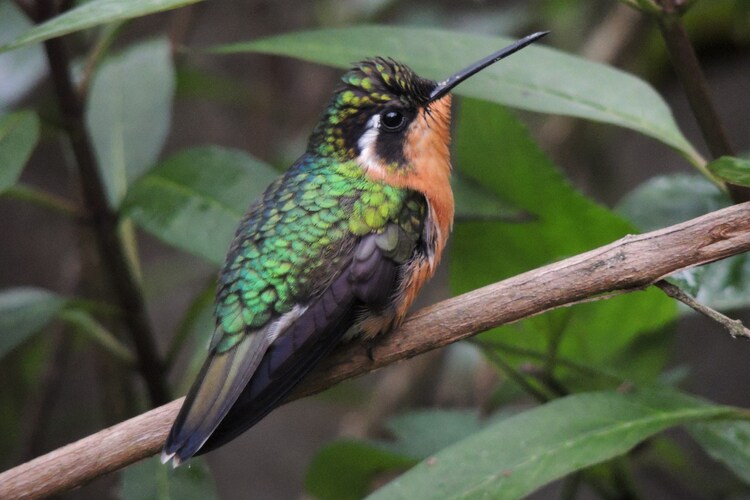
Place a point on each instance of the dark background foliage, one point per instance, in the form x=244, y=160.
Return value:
x=204, y=132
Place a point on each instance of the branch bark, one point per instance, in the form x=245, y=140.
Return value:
x=629, y=264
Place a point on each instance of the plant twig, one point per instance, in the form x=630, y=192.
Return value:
x=734, y=326
x=630, y=263
x=542, y=356
x=105, y=220
x=24, y=192
x=36, y=416
x=693, y=80
x=108, y=35
x=85, y=324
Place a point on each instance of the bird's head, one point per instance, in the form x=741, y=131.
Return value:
x=386, y=117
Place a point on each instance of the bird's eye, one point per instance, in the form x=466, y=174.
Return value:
x=392, y=121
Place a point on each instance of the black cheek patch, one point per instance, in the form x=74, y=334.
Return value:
x=390, y=147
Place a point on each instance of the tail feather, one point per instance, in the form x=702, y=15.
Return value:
x=288, y=360
x=217, y=387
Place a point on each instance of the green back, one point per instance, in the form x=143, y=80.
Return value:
x=296, y=238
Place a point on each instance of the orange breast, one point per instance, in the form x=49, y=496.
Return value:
x=427, y=150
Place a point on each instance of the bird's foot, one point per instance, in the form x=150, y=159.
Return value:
x=369, y=346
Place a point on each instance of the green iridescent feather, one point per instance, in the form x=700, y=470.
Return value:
x=292, y=241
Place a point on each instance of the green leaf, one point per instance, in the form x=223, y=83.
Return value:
x=519, y=454
x=129, y=111
x=422, y=433
x=664, y=201
x=734, y=170
x=20, y=69
x=24, y=312
x=537, y=79
x=417, y=435
x=346, y=470
x=91, y=14
x=727, y=442
x=474, y=202
x=150, y=479
x=670, y=199
x=19, y=133
x=494, y=148
x=195, y=199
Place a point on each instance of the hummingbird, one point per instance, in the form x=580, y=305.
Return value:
x=336, y=248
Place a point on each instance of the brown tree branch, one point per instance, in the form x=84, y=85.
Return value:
x=631, y=263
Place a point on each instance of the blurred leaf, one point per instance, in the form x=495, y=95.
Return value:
x=521, y=453
x=538, y=79
x=420, y=434
x=24, y=312
x=667, y=200
x=670, y=199
x=19, y=133
x=494, y=148
x=129, y=111
x=346, y=470
x=195, y=199
x=474, y=202
x=150, y=479
x=22, y=68
x=90, y=14
x=734, y=170
x=727, y=442
x=200, y=83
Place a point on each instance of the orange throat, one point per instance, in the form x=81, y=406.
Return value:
x=427, y=151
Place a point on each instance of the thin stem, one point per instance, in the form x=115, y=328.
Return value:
x=734, y=326
x=541, y=356
x=36, y=417
x=554, y=342
x=42, y=198
x=694, y=82
x=109, y=33
x=88, y=326
x=105, y=220
x=517, y=377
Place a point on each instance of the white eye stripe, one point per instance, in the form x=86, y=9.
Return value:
x=371, y=133
x=368, y=158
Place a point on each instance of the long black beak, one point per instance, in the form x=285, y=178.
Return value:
x=446, y=85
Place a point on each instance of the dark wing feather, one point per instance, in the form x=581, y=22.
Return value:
x=367, y=282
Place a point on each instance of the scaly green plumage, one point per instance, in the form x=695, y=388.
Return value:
x=291, y=238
